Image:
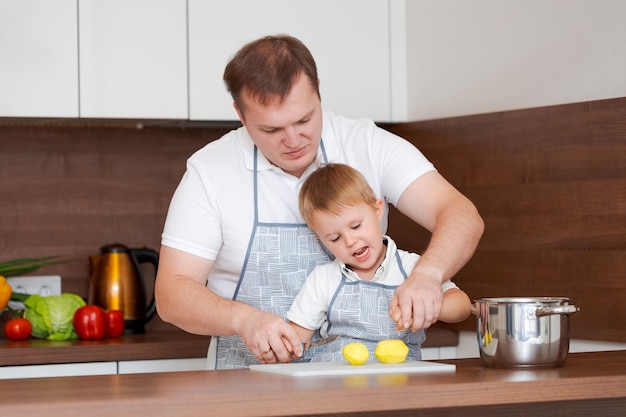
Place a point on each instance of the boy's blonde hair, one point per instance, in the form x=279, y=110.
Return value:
x=331, y=188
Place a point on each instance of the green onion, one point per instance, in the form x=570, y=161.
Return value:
x=25, y=265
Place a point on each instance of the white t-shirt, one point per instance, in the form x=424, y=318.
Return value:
x=310, y=307
x=212, y=211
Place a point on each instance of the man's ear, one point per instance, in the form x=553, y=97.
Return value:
x=239, y=113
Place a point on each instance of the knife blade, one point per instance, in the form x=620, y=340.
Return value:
x=312, y=344
x=318, y=342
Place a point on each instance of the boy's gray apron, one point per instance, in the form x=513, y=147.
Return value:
x=359, y=312
x=279, y=258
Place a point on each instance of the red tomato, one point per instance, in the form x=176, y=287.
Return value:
x=114, y=323
x=18, y=329
x=89, y=322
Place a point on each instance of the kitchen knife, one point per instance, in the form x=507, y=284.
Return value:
x=318, y=342
x=312, y=344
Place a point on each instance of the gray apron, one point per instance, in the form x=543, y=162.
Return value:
x=280, y=256
x=359, y=312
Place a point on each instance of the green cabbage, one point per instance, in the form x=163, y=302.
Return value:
x=52, y=316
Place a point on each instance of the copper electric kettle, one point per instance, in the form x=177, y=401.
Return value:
x=117, y=283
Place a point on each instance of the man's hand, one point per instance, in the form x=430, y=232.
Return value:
x=456, y=228
x=416, y=304
x=270, y=338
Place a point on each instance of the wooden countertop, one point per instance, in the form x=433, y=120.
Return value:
x=588, y=384
x=174, y=344
x=151, y=345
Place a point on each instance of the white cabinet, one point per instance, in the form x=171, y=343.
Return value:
x=410, y=60
x=56, y=370
x=389, y=60
x=350, y=40
x=133, y=59
x=162, y=365
x=470, y=57
x=103, y=368
x=38, y=58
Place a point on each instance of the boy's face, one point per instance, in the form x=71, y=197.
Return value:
x=353, y=236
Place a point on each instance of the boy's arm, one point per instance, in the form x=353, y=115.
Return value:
x=304, y=334
x=456, y=306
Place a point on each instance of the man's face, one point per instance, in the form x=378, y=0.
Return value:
x=287, y=133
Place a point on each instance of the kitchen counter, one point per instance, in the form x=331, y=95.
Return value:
x=175, y=344
x=588, y=384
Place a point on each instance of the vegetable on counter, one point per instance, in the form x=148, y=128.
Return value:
x=25, y=265
x=89, y=322
x=114, y=323
x=5, y=293
x=391, y=351
x=18, y=329
x=93, y=323
x=52, y=316
x=21, y=266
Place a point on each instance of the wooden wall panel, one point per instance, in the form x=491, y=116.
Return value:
x=68, y=190
x=550, y=184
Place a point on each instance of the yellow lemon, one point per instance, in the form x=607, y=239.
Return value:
x=391, y=351
x=355, y=353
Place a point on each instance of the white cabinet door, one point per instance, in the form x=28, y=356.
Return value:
x=133, y=59
x=38, y=58
x=349, y=39
x=472, y=57
x=55, y=370
x=162, y=365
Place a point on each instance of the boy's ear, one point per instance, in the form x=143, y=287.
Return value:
x=380, y=209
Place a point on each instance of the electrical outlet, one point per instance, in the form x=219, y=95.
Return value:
x=43, y=285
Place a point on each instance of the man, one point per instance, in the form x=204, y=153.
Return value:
x=235, y=250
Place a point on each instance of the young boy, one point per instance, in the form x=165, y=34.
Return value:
x=350, y=296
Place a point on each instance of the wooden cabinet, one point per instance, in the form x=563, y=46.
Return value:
x=349, y=39
x=133, y=59
x=38, y=58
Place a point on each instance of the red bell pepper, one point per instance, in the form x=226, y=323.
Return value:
x=89, y=322
x=114, y=323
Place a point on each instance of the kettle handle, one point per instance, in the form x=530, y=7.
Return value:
x=147, y=255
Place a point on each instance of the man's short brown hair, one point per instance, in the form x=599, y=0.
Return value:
x=267, y=68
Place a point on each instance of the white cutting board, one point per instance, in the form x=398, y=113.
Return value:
x=343, y=368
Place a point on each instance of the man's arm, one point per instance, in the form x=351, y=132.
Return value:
x=456, y=229
x=184, y=300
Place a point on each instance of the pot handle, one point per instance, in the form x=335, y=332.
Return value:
x=547, y=311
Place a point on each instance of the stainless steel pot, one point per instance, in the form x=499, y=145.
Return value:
x=524, y=332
